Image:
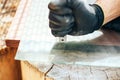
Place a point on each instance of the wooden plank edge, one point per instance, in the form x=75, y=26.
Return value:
x=35, y=71
x=12, y=43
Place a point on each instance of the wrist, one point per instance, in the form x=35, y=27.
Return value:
x=100, y=16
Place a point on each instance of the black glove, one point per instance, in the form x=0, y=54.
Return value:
x=113, y=25
x=61, y=18
x=74, y=17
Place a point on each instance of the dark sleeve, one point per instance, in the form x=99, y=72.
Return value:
x=113, y=25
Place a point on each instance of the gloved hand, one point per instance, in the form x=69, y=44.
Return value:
x=61, y=18
x=74, y=17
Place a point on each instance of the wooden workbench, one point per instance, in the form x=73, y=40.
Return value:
x=25, y=33
x=9, y=68
x=33, y=70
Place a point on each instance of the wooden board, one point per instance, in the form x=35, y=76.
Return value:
x=67, y=72
x=9, y=68
x=30, y=73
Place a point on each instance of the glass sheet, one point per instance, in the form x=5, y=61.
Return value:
x=38, y=44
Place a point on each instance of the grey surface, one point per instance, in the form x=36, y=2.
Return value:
x=38, y=44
